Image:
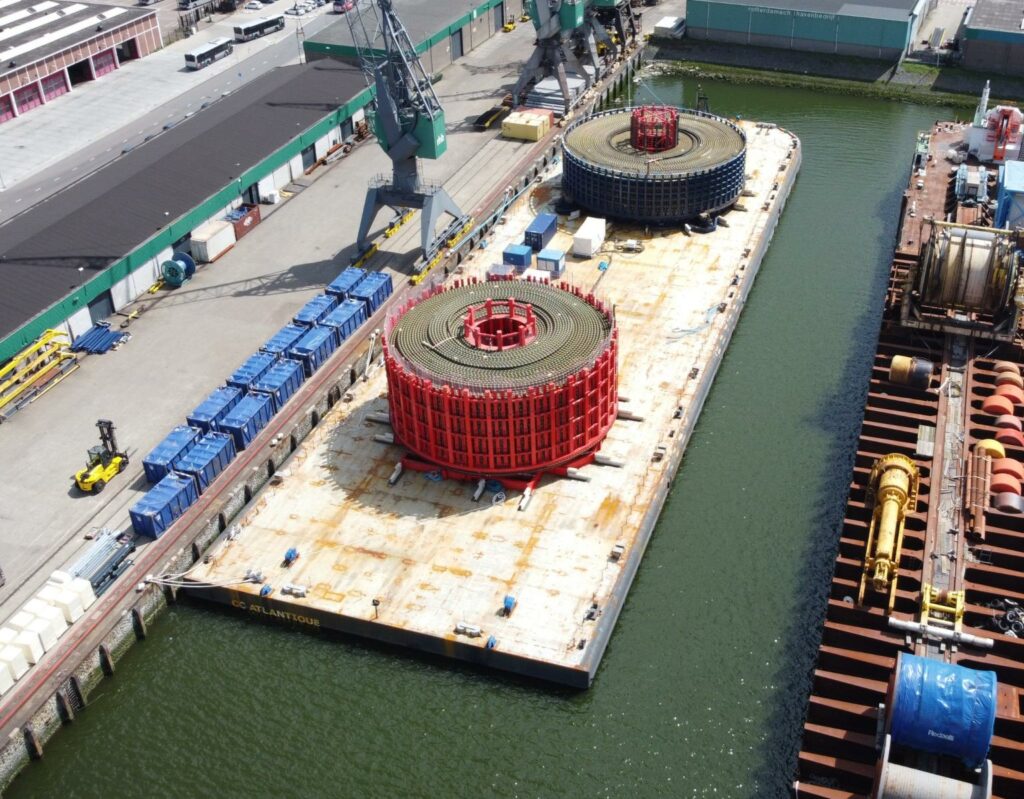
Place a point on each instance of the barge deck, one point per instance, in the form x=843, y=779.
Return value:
x=420, y=564
x=960, y=566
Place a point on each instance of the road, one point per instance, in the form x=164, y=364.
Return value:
x=90, y=127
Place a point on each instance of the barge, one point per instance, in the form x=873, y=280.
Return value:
x=403, y=528
x=919, y=682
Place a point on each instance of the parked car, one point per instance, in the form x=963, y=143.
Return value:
x=253, y=5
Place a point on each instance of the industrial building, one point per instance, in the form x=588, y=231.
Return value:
x=95, y=247
x=993, y=37
x=882, y=29
x=442, y=30
x=49, y=47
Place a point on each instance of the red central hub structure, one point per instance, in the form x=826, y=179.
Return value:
x=654, y=128
x=499, y=325
x=505, y=379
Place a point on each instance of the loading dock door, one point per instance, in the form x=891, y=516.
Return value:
x=102, y=307
x=28, y=97
x=308, y=158
x=104, y=62
x=499, y=17
x=6, y=108
x=54, y=85
x=457, y=44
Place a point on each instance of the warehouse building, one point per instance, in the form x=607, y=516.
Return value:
x=882, y=29
x=993, y=37
x=93, y=248
x=442, y=30
x=47, y=47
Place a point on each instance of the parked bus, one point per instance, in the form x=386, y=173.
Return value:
x=341, y=6
x=208, y=53
x=258, y=27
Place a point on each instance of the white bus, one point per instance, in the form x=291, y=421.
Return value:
x=258, y=27
x=208, y=53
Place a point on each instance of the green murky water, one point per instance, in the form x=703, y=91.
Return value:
x=701, y=691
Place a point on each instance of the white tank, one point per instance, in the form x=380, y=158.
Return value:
x=65, y=600
x=13, y=660
x=53, y=616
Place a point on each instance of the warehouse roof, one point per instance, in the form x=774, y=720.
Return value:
x=34, y=29
x=872, y=9
x=62, y=243
x=997, y=15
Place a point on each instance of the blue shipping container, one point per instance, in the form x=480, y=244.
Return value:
x=346, y=281
x=284, y=338
x=280, y=382
x=214, y=408
x=518, y=255
x=316, y=309
x=165, y=455
x=373, y=290
x=247, y=418
x=541, y=231
x=253, y=369
x=346, y=318
x=162, y=504
x=314, y=348
x=552, y=261
x=209, y=457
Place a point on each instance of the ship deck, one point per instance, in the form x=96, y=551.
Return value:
x=432, y=558
x=938, y=429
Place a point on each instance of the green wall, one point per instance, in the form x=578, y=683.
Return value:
x=788, y=24
x=56, y=314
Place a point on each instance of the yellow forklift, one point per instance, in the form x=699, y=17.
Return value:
x=510, y=24
x=104, y=462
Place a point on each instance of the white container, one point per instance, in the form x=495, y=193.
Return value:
x=21, y=621
x=212, y=240
x=59, y=578
x=53, y=616
x=12, y=659
x=65, y=600
x=47, y=637
x=589, y=237
x=83, y=588
x=30, y=645
x=6, y=681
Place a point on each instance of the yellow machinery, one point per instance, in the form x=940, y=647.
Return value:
x=34, y=370
x=942, y=608
x=510, y=24
x=893, y=489
x=104, y=462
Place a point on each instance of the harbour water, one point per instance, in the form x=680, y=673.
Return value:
x=701, y=691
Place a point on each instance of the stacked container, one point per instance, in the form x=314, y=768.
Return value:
x=540, y=232
x=552, y=261
x=252, y=370
x=373, y=289
x=284, y=338
x=214, y=408
x=314, y=348
x=346, y=318
x=247, y=418
x=162, y=504
x=167, y=453
x=316, y=309
x=280, y=382
x=346, y=281
x=519, y=256
x=208, y=458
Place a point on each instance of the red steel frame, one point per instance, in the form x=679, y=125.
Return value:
x=478, y=433
x=654, y=128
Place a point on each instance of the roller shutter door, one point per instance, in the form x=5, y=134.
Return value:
x=104, y=62
x=457, y=44
x=28, y=97
x=6, y=108
x=499, y=17
x=54, y=85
